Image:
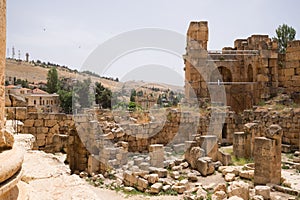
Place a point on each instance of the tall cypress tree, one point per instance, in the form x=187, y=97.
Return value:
x=52, y=81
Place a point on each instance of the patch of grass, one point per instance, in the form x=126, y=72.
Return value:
x=261, y=103
x=228, y=150
x=284, y=166
x=134, y=192
x=290, y=156
x=209, y=195
x=118, y=188
x=181, y=178
x=279, y=107
x=241, y=161
x=169, y=192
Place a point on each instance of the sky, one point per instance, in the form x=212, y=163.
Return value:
x=69, y=32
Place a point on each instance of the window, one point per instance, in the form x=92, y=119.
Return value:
x=250, y=74
x=224, y=131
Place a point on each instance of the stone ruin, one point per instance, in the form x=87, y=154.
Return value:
x=100, y=145
x=250, y=72
x=110, y=144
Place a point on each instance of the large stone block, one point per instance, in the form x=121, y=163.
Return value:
x=204, y=166
x=50, y=122
x=240, y=189
x=209, y=143
x=29, y=123
x=142, y=184
x=263, y=191
x=21, y=113
x=41, y=130
x=156, y=188
x=38, y=122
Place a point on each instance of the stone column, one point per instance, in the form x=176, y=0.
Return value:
x=251, y=129
x=2, y=70
x=267, y=157
x=156, y=152
x=242, y=145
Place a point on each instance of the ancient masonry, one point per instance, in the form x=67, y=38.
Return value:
x=11, y=158
x=96, y=141
x=251, y=71
x=85, y=139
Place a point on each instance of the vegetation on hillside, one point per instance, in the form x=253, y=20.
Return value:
x=98, y=76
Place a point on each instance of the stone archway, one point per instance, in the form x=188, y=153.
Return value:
x=222, y=74
x=249, y=73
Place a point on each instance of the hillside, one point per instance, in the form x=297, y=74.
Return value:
x=24, y=70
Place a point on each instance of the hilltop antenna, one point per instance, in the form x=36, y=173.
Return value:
x=13, y=52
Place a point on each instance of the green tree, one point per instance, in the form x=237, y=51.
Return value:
x=23, y=83
x=103, y=96
x=133, y=95
x=140, y=93
x=284, y=34
x=65, y=98
x=159, y=100
x=82, y=94
x=52, y=81
x=132, y=106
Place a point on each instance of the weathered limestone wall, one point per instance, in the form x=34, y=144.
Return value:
x=288, y=119
x=78, y=155
x=289, y=69
x=51, y=130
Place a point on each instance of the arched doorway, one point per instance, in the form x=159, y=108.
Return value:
x=222, y=74
x=250, y=73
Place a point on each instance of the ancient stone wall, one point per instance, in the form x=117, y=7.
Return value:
x=289, y=69
x=51, y=130
x=288, y=119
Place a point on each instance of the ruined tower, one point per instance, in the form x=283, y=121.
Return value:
x=195, y=59
x=198, y=31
